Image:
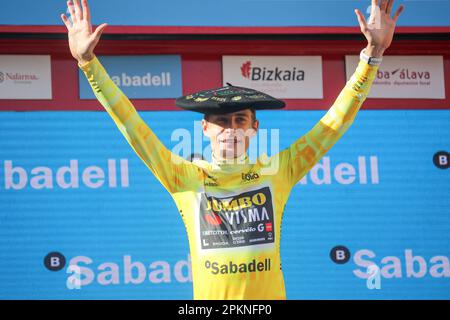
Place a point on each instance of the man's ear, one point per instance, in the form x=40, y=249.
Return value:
x=205, y=127
x=255, y=124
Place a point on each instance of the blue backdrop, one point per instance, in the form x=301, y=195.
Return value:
x=399, y=219
x=223, y=13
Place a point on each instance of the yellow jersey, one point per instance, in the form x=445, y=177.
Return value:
x=233, y=212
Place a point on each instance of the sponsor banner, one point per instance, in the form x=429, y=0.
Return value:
x=288, y=77
x=25, y=77
x=140, y=77
x=405, y=77
x=82, y=217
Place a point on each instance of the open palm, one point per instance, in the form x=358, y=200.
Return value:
x=82, y=40
x=379, y=29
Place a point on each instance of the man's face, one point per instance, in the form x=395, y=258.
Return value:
x=230, y=133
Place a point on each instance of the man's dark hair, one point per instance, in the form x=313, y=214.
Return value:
x=206, y=117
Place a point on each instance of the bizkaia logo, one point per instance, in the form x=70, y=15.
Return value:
x=17, y=77
x=406, y=265
x=257, y=73
x=241, y=220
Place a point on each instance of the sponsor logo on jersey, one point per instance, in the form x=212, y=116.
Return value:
x=242, y=220
x=211, y=181
x=250, y=176
x=233, y=268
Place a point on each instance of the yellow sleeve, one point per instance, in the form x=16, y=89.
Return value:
x=304, y=153
x=174, y=172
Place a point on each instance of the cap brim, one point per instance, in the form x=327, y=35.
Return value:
x=227, y=100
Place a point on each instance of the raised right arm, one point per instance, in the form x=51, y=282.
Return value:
x=175, y=173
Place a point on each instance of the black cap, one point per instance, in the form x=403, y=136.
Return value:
x=228, y=99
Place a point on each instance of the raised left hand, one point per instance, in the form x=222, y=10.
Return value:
x=379, y=29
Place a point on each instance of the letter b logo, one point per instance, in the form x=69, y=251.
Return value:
x=340, y=254
x=54, y=261
x=441, y=159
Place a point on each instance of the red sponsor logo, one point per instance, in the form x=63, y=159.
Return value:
x=269, y=227
x=245, y=69
x=213, y=219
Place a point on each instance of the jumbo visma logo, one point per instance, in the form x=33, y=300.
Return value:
x=233, y=209
x=241, y=220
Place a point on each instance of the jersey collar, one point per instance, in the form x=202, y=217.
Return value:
x=242, y=159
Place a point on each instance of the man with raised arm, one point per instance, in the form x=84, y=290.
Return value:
x=232, y=208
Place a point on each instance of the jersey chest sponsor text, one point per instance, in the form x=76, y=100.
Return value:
x=241, y=220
